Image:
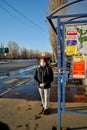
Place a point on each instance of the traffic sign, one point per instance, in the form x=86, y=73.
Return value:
x=4, y=50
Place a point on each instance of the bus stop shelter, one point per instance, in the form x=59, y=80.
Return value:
x=70, y=25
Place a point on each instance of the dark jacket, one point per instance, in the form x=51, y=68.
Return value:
x=44, y=75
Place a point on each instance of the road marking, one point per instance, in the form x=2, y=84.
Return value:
x=21, y=82
x=10, y=81
x=8, y=90
x=17, y=84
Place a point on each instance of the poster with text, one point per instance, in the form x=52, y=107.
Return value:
x=79, y=67
x=75, y=39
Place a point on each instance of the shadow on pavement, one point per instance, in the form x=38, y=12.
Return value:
x=52, y=111
x=77, y=108
x=80, y=128
x=4, y=126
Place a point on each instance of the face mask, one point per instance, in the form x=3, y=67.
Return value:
x=42, y=63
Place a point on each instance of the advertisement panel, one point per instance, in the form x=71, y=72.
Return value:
x=79, y=67
x=75, y=39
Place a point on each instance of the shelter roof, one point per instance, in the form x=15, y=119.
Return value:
x=75, y=7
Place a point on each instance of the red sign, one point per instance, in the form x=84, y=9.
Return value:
x=79, y=69
x=73, y=32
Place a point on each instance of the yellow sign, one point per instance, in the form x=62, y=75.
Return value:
x=71, y=50
x=79, y=58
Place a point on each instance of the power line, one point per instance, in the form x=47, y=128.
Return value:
x=6, y=11
x=21, y=14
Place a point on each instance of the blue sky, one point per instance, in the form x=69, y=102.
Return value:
x=31, y=32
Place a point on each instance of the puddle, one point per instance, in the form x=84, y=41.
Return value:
x=15, y=72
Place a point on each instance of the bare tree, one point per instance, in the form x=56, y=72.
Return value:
x=1, y=54
x=37, y=53
x=53, y=4
x=1, y=45
x=13, y=50
x=31, y=53
x=24, y=53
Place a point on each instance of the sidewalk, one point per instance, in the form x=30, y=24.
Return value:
x=20, y=114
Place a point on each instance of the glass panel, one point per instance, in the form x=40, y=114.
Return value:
x=76, y=8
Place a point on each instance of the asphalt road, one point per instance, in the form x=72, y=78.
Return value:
x=16, y=81
x=11, y=65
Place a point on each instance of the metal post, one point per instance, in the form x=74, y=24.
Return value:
x=64, y=67
x=59, y=75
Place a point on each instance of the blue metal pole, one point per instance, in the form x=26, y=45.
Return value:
x=59, y=75
x=64, y=68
